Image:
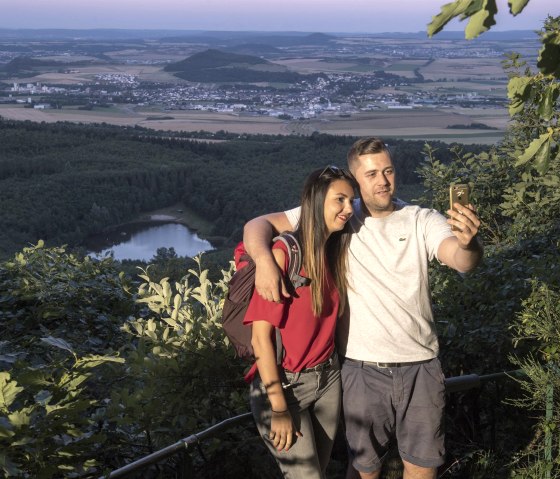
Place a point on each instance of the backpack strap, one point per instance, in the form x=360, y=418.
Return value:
x=279, y=347
x=297, y=280
x=294, y=259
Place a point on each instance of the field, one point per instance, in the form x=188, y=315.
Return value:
x=180, y=120
x=409, y=124
x=424, y=124
x=490, y=88
x=317, y=65
x=88, y=73
x=464, y=68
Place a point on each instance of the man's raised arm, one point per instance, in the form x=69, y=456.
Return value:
x=257, y=235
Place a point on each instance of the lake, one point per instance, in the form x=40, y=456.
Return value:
x=141, y=241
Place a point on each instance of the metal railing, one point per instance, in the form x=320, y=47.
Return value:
x=471, y=381
x=179, y=446
x=452, y=385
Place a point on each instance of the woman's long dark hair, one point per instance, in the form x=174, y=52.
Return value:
x=316, y=243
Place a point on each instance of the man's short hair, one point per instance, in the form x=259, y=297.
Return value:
x=365, y=146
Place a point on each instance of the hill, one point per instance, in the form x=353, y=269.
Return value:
x=215, y=66
x=214, y=59
x=25, y=65
x=293, y=40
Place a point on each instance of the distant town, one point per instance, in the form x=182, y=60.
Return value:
x=303, y=100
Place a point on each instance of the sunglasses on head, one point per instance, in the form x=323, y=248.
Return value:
x=336, y=171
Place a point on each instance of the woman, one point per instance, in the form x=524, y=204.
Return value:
x=296, y=406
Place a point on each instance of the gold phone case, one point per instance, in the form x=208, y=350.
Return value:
x=458, y=194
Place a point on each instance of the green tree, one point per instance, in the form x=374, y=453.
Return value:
x=538, y=91
x=521, y=215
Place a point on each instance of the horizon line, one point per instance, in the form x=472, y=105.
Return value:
x=493, y=30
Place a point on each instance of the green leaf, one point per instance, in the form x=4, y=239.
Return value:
x=23, y=441
x=6, y=433
x=549, y=55
x=71, y=382
x=482, y=20
x=58, y=343
x=93, y=361
x=172, y=322
x=542, y=158
x=480, y=12
x=548, y=102
x=448, y=12
x=8, y=466
x=20, y=418
x=43, y=397
x=519, y=90
x=517, y=86
x=177, y=301
x=8, y=391
x=517, y=6
x=539, y=149
x=167, y=292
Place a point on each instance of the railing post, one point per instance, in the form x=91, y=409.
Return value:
x=549, y=414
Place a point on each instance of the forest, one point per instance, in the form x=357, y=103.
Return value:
x=100, y=368
x=62, y=182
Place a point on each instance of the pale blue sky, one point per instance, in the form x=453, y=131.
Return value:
x=263, y=15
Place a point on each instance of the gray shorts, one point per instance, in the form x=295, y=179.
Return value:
x=405, y=404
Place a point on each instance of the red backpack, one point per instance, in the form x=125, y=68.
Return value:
x=240, y=290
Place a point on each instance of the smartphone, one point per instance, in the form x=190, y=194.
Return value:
x=458, y=194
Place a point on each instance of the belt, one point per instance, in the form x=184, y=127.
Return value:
x=387, y=365
x=321, y=366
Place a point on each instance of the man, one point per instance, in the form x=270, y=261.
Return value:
x=392, y=381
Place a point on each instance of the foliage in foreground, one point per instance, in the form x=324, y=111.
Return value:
x=513, y=299
x=94, y=377
x=56, y=311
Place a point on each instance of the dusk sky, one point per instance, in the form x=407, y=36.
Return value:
x=285, y=15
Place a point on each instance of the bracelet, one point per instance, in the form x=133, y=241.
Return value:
x=279, y=412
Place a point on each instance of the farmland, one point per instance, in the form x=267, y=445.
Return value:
x=418, y=124
x=410, y=88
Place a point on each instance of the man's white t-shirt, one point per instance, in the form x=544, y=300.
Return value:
x=389, y=300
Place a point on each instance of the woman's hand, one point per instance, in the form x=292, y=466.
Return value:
x=282, y=430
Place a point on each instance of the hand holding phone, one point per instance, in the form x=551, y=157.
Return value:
x=458, y=194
